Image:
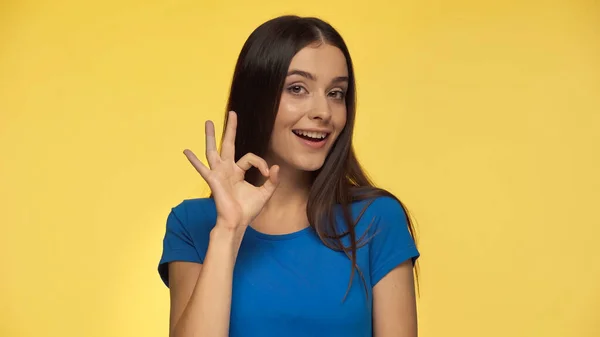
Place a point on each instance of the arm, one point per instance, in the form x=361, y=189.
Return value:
x=394, y=304
x=201, y=294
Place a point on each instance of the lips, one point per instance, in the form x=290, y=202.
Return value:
x=311, y=135
x=312, y=139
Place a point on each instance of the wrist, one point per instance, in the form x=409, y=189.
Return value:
x=227, y=235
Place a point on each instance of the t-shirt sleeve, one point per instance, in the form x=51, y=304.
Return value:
x=391, y=243
x=178, y=242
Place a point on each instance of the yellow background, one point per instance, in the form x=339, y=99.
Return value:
x=483, y=116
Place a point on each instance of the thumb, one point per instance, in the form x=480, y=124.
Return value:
x=271, y=184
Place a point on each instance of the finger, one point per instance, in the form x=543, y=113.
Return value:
x=198, y=165
x=250, y=159
x=211, y=143
x=271, y=184
x=228, y=149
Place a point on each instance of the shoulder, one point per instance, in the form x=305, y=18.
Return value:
x=380, y=209
x=383, y=220
x=186, y=237
x=196, y=217
x=386, y=226
x=382, y=204
x=200, y=211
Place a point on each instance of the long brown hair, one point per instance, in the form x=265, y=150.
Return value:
x=255, y=93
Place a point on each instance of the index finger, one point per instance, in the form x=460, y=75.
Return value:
x=228, y=148
x=198, y=165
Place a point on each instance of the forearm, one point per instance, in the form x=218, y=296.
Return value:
x=208, y=310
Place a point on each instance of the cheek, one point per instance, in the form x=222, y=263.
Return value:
x=287, y=117
x=290, y=111
x=279, y=137
x=339, y=119
x=290, y=108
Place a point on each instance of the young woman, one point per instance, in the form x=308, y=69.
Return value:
x=294, y=240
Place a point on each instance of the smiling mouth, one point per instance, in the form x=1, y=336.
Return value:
x=311, y=136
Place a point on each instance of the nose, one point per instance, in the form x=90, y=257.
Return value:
x=320, y=109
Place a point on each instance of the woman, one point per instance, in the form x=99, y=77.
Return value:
x=317, y=250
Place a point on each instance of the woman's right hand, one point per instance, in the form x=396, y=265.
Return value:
x=238, y=202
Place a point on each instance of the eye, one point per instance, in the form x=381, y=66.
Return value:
x=337, y=94
x=296, y=89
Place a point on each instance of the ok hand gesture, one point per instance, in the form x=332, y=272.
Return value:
x=238, y=202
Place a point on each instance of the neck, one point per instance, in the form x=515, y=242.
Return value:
x=286, y=209
x=293, y=189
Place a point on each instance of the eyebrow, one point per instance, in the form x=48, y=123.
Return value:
x=314, y=78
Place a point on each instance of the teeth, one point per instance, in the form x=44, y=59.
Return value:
x=315, y=135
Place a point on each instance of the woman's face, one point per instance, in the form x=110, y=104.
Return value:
x=312, y=110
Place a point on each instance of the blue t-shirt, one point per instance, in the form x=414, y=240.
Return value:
x=292, y=284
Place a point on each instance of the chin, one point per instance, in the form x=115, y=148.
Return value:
x=308, y=164
x=310, y=168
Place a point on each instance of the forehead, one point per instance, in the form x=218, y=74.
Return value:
x=323, y=60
